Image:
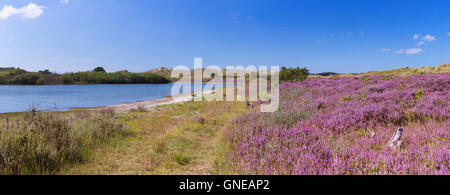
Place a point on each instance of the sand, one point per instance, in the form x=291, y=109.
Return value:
x=125, y=107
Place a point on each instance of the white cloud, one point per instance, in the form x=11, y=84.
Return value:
x=385, y=50
x=65, y=2
x=401, y=51
x=347, y=34
x=30, y=11
x=410, y=51
x=448, y=34
x=235, y=15
x=429, y=38
x=413, y=51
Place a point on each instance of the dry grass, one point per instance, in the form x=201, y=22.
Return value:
x=173, y=139
x=443, y=68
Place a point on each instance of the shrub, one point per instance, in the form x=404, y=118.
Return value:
x=99, y=69
x=140, y=108
x=346, y=98
x=27, y=79
x=103, y=126
x=67, y=79
x=418, y=94
x=293, y=74
x=199, y=119
x=41, y=143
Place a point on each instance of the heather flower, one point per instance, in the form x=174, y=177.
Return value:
x=342, y=126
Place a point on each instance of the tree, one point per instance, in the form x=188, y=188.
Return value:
x=293, y=74
x=45, y=72
x=99, y=69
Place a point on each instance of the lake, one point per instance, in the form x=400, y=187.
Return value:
x=15, y=98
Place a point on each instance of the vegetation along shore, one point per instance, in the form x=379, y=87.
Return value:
x=17, y=76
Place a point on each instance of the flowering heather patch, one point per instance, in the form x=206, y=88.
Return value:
x=343, y=125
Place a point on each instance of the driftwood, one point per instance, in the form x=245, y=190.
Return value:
x=373, y=134
x=395, y=141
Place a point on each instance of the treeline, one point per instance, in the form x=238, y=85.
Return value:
x=16, y=76
x=121, y=77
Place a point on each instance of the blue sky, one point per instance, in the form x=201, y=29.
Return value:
x=138, y=35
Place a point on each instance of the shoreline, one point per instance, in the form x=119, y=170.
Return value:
x=127, y=106
x=146, y=104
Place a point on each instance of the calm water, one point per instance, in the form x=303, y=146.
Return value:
x=61, y=97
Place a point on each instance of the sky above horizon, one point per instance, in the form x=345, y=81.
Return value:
x=338, y=36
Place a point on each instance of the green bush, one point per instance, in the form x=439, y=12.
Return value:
x=293, y=74
x=99, y=69
x=27, y=79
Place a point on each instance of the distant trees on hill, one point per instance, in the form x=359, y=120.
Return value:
x=121, y=77
x=325, y=74
x=16, y=76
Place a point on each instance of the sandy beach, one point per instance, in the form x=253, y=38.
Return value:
x=148, y=104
